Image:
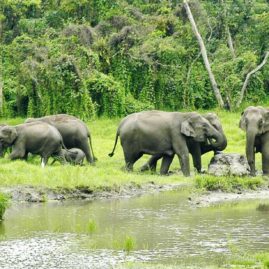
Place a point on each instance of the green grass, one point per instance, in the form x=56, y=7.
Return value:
x=109, y=172
x=129, y=244
x=92, y=226
x=3, y=205
x=244, y=261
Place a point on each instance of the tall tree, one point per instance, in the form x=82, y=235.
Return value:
x=204, y=54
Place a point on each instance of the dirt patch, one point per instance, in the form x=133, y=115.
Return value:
x=39, y=194
x=216, y=197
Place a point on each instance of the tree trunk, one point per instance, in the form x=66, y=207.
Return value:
x=227, y=30
x=204, y=55
x=242, y=93
x=230, y=41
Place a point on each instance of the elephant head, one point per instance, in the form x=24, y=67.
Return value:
x=215, y=122
x=255, y=121
x=200, y=129
x=8, y=135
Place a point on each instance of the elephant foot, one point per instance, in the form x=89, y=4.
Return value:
x=144, y=168
x=202, y=171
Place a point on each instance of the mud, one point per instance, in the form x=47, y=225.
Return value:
x=41, y=194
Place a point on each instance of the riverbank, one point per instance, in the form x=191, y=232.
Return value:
x=43, y=194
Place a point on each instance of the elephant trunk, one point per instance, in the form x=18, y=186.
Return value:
x=250, y=147
x=220, y=142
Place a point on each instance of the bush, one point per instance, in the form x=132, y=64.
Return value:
x=107, y=94
x=132, y=105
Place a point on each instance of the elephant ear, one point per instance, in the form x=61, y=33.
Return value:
x=266, y=122
x=242, y=123
x=9, y=135
x=187, y=129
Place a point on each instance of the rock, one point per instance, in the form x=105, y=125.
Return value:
x=229, y=164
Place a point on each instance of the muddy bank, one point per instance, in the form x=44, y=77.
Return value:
x=42, y=194
x=217, y=197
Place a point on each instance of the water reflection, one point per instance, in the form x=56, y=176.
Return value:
x=165, y=228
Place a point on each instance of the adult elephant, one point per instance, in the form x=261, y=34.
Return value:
x=37, y=138
x=75, y=132
x=3, y=148
x=196, y=149
x=163, y=133
x=255, y=121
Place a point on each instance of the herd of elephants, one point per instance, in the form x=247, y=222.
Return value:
x=157, y=133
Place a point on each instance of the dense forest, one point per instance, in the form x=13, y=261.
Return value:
x=96, y=57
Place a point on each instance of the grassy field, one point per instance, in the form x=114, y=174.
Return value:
x=109, y=171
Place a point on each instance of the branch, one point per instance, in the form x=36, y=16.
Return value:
x=204, y=54
x=242, y=93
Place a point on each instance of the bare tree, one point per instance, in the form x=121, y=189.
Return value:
x=242, y=93
x=204, y=54
x=227, y=30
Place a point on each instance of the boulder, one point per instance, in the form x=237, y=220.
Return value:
x=229, y=164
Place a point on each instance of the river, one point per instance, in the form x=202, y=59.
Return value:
x=158, y=228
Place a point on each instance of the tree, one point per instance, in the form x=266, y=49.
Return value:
x=204, y=55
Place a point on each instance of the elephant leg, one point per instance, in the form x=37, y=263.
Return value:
x=181, y=149
x=195, y=151
x=265, y=158
x=130, y=159
x=84, y=146
x=17, y=153
x=151, y=164
x=166, y=162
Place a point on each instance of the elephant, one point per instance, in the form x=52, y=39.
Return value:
x=75, y=132
x=74, y=156
x=196, y=149
x=37, y=138
x=165, y=134
x=3, y=148
x=255, y=121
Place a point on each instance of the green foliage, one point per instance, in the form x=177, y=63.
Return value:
x=107, y=94
x=4, y=202
x=115, y=57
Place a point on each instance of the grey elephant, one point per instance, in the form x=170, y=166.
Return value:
x=37, y=138
x=74, y=156
x=255, y=121
x=163, y=133
x=196, y=149
x=3, y=148
x=75, y=132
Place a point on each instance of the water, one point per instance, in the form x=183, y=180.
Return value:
x=164, y=227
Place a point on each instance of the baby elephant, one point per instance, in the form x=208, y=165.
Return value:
x=74, y=156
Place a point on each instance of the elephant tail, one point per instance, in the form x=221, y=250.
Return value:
x=116, y=141
x=90, y=139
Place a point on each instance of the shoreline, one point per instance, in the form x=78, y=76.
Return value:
x=212, y=198
x=39, y=194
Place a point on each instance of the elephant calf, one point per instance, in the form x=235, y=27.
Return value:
x=74, y=156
